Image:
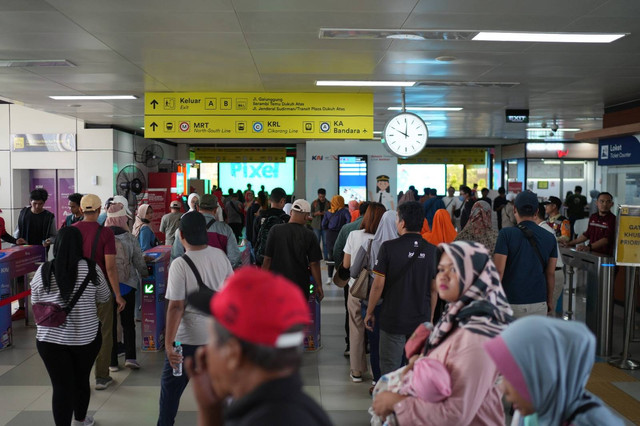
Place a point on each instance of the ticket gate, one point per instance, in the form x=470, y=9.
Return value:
x=153, y=288
x=312, y=338
x=592, y=277
x=17, y=261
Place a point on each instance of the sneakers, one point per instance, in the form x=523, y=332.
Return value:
x=347, y=352
x=120, y=349
x=329, y=281
x=102, y=384
x=114, y=368
x=88, y=421
x=132, y=364
x=355, y=379
x=18, y=315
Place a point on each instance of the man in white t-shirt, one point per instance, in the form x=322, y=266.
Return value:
x=559, y=284
x=451, y=203
x=186, y=324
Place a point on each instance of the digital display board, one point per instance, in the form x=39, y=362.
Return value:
x=271, y=175
x=422, y=176
x=352, y=177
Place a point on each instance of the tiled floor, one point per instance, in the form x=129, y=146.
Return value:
x=25, y=393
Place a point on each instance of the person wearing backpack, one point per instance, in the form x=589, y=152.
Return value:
x=70, y=349
x=219, y=234
x=267, y=220
x=130, y=264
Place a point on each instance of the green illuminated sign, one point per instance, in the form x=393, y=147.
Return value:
x=148, y=289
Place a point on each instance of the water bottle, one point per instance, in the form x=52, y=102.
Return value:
x=177, y=348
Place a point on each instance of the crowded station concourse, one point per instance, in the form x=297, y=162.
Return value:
x=301, y=212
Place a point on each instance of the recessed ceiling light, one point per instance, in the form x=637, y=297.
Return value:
x=546, y=129
x=410, y=108
x=446, y=58
x=548, y=37
x=93, y=98
x=22, y=63
x=415, y=37
x=484, y=84
x=365, y=83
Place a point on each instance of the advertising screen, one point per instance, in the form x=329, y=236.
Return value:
x=422, y=176
x=352, y=177
x=271, y=175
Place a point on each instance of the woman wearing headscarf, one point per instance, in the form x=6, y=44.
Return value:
x=194, y=201
x=545, y=364
x=69, y=350
x=477, y=311
x=142, y=227
x=407, y=196
x=442, y=230
x=334, y=219
x=131, y=266
x=479, y=228
x=508, y=215
x=386, y=231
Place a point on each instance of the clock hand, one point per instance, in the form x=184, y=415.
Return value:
x=404, y=133
x=405, y=128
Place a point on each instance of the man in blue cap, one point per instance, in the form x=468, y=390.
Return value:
x=525, y=257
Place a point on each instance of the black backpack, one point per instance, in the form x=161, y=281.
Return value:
x=263, y=233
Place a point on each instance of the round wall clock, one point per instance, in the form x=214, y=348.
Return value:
x=405, y=135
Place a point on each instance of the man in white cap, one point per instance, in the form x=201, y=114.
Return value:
x=170, y=221
x=292, y=249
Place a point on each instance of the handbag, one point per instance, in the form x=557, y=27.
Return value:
x=49, y=314
x=360, y=288
x=341, y=276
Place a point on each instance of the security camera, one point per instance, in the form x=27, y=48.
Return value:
x=543, y=124
x=554, y=127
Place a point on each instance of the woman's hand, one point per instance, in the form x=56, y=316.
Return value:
x=409, y=366
x=384, y=402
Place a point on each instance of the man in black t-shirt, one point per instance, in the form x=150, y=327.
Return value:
x=499, y=203
x=292, y=250
x=404, y=273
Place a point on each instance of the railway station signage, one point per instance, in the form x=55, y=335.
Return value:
x=241, y=155
x=259, y=115
x=628, y=236
x=619, y=151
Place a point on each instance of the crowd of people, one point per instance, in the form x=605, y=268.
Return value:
x=432, y=291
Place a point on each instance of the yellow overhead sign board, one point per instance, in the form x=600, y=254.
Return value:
x=241, y=155
x=468, y=156
x=628, y=236
x=258, y=127
x=239, y=103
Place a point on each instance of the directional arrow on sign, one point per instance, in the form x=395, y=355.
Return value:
x=364, y=131
x=153, y=126
x=154, y=103
x=148, y=288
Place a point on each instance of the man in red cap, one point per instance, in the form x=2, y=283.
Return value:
x=253, y=354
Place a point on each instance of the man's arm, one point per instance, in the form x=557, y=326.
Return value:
x=174, y=316
x=500, y=260
x=581, y=239
x=266, y=263
x=374, y=297
x=112, y=274
x=317, y=277
x=550, y=275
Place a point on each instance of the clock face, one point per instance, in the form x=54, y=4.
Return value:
x=405, y=135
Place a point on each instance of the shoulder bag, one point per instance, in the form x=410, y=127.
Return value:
x=202, y=289
x=532, y=240
x=360, y=288
x=49, y=314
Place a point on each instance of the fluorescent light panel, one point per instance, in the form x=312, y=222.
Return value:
x=365, y=83
x=410, y=108
x=23, y=63
x=93, y=97
x=548, y=37
x=546, y=129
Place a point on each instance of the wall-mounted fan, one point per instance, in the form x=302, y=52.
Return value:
x=151, y=156
x=130, y=183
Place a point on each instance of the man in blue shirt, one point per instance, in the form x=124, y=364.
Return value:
x=525, y=257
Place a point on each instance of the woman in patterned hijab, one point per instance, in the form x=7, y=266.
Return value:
x=477, y=311
x=479, y=228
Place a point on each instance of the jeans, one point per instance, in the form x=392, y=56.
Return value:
x=128, y=329
x=322, y=238
x=391, y=351
x=69, y=368
x=374, y=342
x=171, y=388
x=108, y=329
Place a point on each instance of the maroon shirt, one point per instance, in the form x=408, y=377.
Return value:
x=106, y=245
x=602, y=227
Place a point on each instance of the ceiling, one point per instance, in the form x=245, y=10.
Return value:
x=134, y=46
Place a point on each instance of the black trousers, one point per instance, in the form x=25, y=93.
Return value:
x=237, y=230
x=69, y=368
x=127, y=319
